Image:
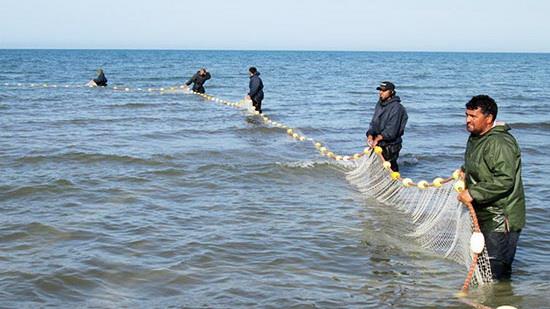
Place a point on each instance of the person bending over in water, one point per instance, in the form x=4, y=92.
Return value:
x=198, y=80
x=99, y=81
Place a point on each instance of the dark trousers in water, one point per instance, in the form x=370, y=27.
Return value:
x=391, y=153
x=501, y=247
x=257, y=105
x=199, y=89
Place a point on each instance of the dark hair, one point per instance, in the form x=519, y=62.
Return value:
x=252, y=70
x=486, y=103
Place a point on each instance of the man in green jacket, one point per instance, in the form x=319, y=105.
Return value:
x=492, y=171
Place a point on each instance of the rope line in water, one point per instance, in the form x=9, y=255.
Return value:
x=324, y=150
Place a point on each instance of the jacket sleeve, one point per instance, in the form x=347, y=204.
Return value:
x=502, y=161
x=191, y=80
x=254, y=86
x=207, y=76
x=100, y=79
x=370, y=131
x=392, y=126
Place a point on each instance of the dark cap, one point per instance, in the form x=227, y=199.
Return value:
x=386, y=86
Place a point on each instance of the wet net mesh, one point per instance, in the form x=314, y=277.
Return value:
x=441, y=223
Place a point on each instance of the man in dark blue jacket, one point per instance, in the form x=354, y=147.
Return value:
x=388, y=124
x=198, y=80
x=256, y=93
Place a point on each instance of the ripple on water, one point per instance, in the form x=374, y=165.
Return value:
x=83, y=157
x=53, y=187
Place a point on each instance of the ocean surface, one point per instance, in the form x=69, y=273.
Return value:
x=135, y=199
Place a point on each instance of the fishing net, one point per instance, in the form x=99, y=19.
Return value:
x=440, y=222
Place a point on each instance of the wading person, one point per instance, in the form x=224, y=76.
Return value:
x=256, y=86
x=492, y=174
x=99, y=81
x=388, y=124
x=198, y=80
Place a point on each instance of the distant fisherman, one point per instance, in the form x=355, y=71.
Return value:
x=388, y=124
x=99, y=81
x=256, y=93
x=198, y=80
x=492, y=171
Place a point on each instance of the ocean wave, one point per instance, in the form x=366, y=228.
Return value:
x=357, y=92
x=322, y=164
x=302, y=164
x=91, y=158
x=37, y=228
x=131, y=105
x=434, y=155
x=422, y=75
x=168, y=172
x=13, y=236
x=260, y=128
x=520, y=97
x=40, y=230
x=309, y=131
x=85, y=121
x=57, y=186
x=417, y=87
x=271, y=172
x=533, y=151
x=217, y=87
x=163, y=79
x=545, y=125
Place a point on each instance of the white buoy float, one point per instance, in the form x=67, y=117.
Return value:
x=477, y=242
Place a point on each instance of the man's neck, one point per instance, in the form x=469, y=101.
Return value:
x=488, y=129
x=386, y=100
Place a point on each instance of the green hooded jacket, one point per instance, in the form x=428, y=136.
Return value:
x=492, y=167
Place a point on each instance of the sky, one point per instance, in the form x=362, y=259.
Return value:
x=354, y=25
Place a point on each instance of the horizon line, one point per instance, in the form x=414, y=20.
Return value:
x=282, y=50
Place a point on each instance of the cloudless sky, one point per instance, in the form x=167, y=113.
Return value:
x=398, y=25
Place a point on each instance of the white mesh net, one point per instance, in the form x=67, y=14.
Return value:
x=441, y=223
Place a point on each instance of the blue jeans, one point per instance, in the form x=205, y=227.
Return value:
x=501, y=247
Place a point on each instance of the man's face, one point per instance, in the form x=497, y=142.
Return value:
x=476, y=122
x=384, y=94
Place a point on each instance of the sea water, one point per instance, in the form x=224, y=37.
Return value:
x=113, y=198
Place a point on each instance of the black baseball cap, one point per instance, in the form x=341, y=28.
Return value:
x=386, y=86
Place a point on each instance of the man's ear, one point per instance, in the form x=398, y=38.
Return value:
x=490, y=118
